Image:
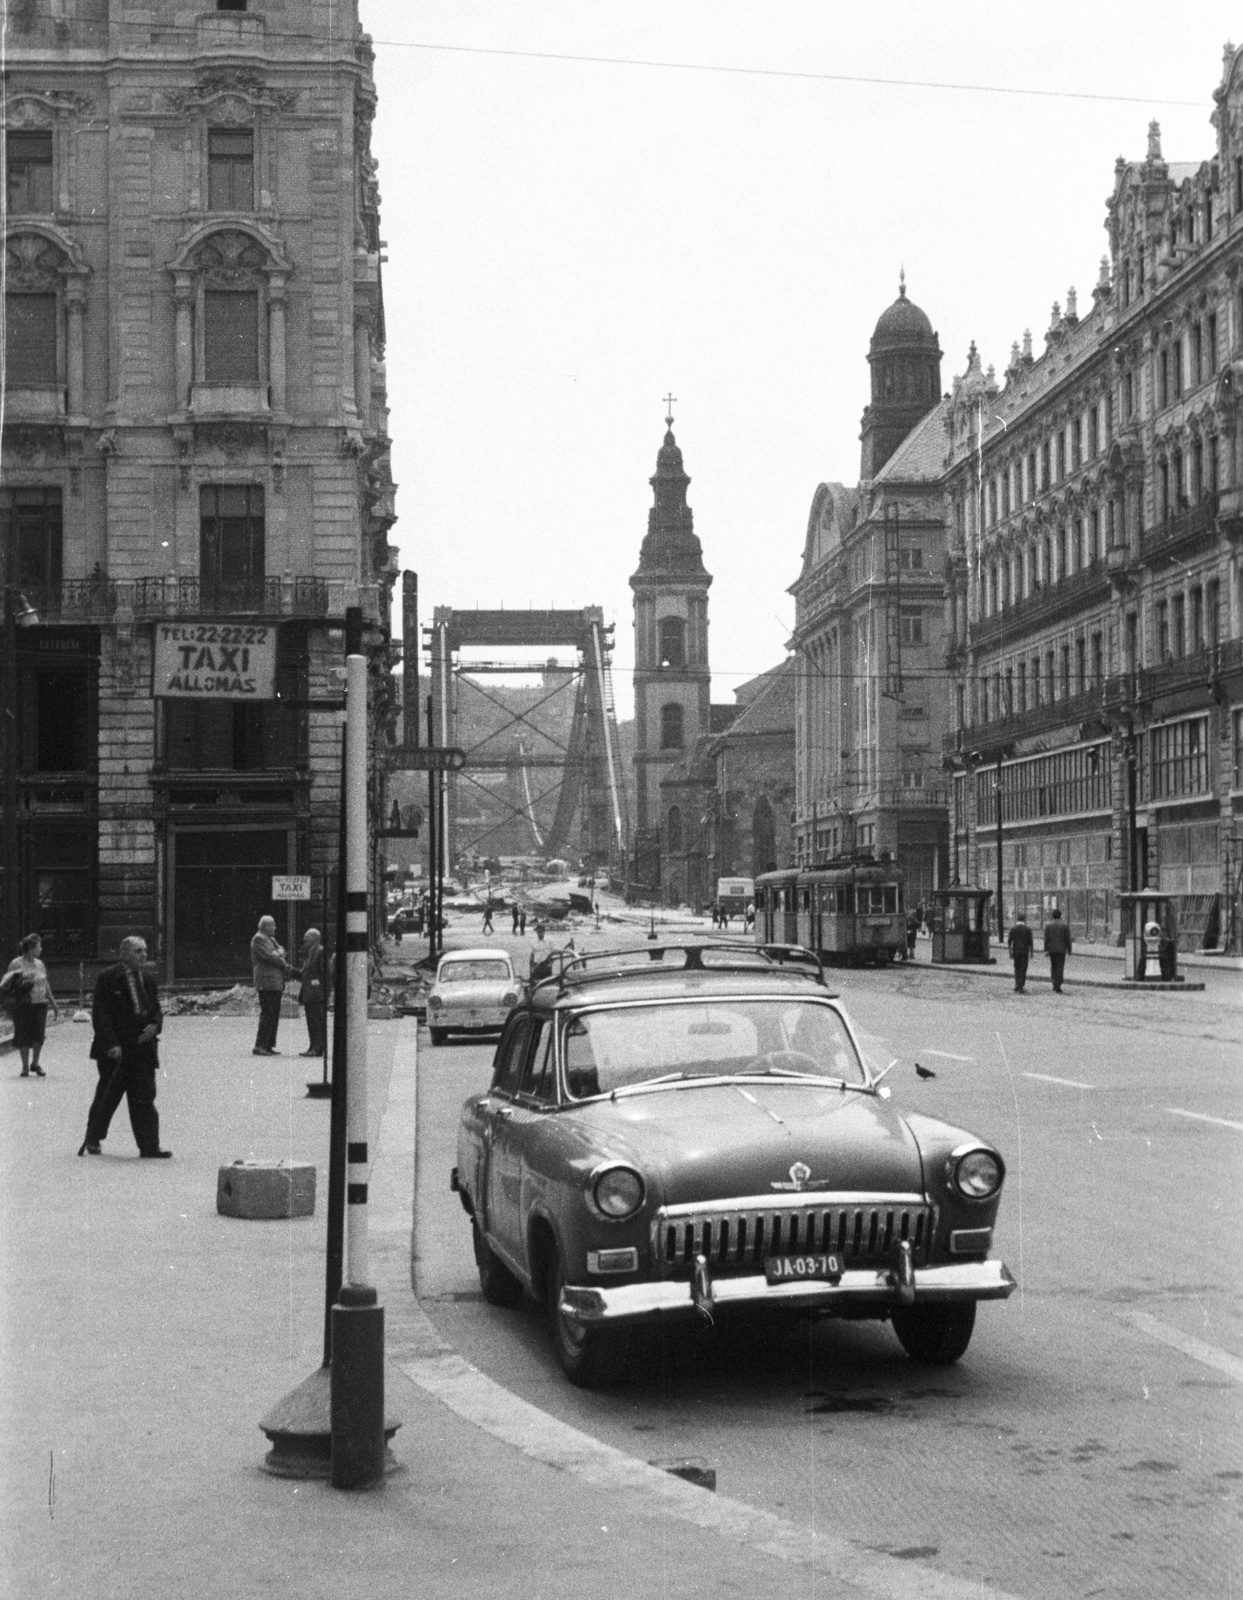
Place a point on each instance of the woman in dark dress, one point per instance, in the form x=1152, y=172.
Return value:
x=30, y=996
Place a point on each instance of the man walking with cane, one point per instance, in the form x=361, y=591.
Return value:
x=127, y=1017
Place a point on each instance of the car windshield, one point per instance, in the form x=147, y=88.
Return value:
x=494, y=971
x=628, y=1046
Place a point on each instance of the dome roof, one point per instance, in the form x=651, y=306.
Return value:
x=903, y=323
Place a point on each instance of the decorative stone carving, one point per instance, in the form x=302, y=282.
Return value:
x=238, y=86
x=232, y=439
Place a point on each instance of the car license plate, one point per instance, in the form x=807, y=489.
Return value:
x=792, y=1269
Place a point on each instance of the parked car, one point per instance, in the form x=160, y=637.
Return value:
x=692, y=1131
x=474, y=992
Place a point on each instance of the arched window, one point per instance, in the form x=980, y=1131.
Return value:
x=44, y=299
x=673, y=830
x=672, y=642
x=671, y=727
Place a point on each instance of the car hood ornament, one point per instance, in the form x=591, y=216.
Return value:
x=800, y=1179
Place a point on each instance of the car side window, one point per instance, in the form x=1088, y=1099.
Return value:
x=509, y=1056
x=539, y=1077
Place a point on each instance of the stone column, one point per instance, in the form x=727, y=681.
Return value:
x=183, y=293
x=362, y=369
x=276, y=341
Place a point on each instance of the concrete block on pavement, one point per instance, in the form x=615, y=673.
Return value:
x=266, y=1189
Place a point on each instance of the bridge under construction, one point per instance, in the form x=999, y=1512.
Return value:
x=522, y=768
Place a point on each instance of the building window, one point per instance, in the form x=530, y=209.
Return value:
x=1098, y=660
x=202, y=737
x=1197, y=355
x=1065, y=672
x=55, y=713
x=1046, y=474
x=913, y=778
x=1035, y=681
x=912, y=558
x=231, y=535
x=1097, y=553
x=1081, y=666
x=1094, y=431
x=1210, y=341
x=1163, y=489
x=1180, y=625
x=1061, y=454
x=1176, y=366
x=1031, y=475
x=671, y=727
x=1163, y=630
x=1076, y=442
x=1163, y=380
x=28, y=173
x=1049, y=678
x=30, y=527
x=1237, y=780
x=1197, y=619
x=1128, y=396
x=1022, y=687
x=1212, y=608
x=230, y=169
x=30, y=339
x=1180, y=758
x=230, y=5
x=672, y=642
x=231, y=336
x=1197, y=470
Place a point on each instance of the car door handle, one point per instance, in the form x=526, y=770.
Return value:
x=503, y=1113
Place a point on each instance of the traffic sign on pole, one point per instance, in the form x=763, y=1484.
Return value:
x=431, y=758
x=288, y=886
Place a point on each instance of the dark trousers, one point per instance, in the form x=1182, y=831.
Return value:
x=119, y=1081
x=316, y=1025
x=269, y=1018
x=1057, y=964
x=1020, y=970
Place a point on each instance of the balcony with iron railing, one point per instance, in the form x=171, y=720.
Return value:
x=1043, y=606
x=101, y=599
x=1176, y=533
x=1015, y=725
x=1204, y=668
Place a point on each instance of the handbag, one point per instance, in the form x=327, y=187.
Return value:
x=16, y=988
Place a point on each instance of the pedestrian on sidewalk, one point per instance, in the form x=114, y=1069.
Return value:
x=311, y=992
x=912, y=930
x=125, y=1011
x=522, y=920
x=487, y=916
x=270, y=969
x=1020, y=943
x=515, y=926
x=1057, y=946
x=29, y=995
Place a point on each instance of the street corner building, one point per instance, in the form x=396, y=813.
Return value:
x=196, y=483
x=1032, y=602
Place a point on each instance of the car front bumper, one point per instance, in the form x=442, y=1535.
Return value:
x=869, y=1292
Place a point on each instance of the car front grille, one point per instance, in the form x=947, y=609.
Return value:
x=738, y=1235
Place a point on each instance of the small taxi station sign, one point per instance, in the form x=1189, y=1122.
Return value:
x=214, y=661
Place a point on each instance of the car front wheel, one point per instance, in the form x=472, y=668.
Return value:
x=936, y=1335
x=500, y=1287
x=592, y=1358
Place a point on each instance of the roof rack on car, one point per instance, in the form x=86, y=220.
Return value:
x=627, y=962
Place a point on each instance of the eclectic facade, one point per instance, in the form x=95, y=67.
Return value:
x=871, y=701
x=1094, y=620
x=195, y=463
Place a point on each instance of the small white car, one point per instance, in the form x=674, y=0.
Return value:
x=474, y=992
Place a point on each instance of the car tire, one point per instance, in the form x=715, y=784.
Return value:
x=591, y=1358
x=936, y=1335
x=500, y=1287
x=439, y=1035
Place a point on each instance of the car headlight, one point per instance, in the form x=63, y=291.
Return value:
x=509, y=998
x=618, y=1192
x=435, y=1001
x=978, y=1174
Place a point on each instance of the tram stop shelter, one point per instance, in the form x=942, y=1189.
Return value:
x=1150, y=937
x=960, y=924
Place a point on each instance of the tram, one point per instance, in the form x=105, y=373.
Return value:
x=850, y=910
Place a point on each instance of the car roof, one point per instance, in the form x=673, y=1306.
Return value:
x=679, y=971
x=475, y=955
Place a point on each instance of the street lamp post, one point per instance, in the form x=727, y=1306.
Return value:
x=1001, y=928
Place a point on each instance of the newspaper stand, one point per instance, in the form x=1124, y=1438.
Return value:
x=960, y=929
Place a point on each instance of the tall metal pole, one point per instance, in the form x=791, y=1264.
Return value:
x=432, y=834
x=357, y=1405
x=11, y=920
x=1001, y=921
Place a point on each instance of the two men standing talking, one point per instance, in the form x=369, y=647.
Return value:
x=271, y=970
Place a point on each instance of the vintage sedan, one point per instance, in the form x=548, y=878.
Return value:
x=474, y=992
x=693, y=1132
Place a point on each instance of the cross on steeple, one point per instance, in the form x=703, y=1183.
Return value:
x=670, y=401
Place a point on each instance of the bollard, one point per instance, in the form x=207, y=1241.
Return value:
x=357, y=1407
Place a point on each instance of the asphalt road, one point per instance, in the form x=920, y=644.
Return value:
x=1089, y=1441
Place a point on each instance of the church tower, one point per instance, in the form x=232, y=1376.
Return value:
x=671, y=677
x=905, y=359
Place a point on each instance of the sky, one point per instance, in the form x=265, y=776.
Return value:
x=717, y=206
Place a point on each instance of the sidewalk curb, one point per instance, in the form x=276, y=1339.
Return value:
x=995, y=970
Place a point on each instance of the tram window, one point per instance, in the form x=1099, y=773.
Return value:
x=891, y=897
x=846, y=901
x=806, y=899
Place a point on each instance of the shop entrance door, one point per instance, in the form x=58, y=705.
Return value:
x=222, y=885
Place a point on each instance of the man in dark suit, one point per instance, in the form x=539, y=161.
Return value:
x=127, y=1018
x=1057, y=944
x=312, y=994
x=1020, y=943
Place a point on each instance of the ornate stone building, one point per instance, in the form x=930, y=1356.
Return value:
x=1094, y=615
x=871, y=701
x=195, y=458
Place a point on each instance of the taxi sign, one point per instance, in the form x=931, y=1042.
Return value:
x=430, y=758
x=288, y=887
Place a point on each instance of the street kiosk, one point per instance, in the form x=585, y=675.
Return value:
x=960, y=928
x=1150, y=936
